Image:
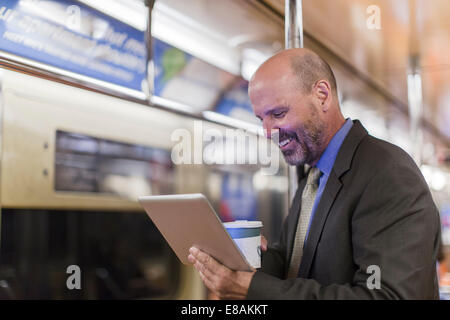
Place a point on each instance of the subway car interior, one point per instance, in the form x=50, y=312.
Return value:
x=95, y=95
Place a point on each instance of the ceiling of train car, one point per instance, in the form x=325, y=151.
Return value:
x=218, y=17
x=349, y=29
x=381, y=48
x=218, y=30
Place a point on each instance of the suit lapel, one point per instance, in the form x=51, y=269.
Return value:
x=332, y=188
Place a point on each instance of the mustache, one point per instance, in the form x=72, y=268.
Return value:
x=278, y=135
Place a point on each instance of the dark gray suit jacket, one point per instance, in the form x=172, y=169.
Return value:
x=376, y=209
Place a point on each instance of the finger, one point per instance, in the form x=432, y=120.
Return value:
x=205, y=271
x=208, y=283
x=210, y=267
x=263, y=243
x=208, y=278
x=197, y=264
x=205, y=259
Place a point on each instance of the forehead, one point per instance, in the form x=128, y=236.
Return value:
x=271, y=92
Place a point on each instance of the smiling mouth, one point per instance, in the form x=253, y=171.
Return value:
x=283, y=143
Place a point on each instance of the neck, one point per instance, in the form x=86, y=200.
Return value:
x=331, y=129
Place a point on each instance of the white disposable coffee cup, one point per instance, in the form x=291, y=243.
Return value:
x=247, y=236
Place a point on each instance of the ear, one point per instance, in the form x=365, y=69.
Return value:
x=322, y=90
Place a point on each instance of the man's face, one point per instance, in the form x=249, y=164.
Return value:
x=281, y=106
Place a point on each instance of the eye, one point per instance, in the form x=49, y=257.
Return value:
x=279, y=114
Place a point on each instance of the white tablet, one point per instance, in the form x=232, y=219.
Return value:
x=187, y=220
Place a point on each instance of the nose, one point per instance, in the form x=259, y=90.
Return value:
x=270, y=128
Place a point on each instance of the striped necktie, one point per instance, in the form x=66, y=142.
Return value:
x=308, y=197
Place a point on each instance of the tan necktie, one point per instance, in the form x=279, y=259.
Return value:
x=308, y=197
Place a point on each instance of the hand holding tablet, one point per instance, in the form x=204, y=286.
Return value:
x=188, y=220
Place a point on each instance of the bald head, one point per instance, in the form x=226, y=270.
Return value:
x=305, y=65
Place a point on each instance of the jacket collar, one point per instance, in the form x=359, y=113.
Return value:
x=345, y=155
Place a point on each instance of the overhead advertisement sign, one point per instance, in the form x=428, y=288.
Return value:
x=74, y=37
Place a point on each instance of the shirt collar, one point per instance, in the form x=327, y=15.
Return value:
x=328, y=157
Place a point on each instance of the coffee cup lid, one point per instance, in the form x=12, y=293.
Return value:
x=243, y=224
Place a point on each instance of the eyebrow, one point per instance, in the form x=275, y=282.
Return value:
x=274, y=109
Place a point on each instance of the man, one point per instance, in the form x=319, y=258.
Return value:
x=362, y=225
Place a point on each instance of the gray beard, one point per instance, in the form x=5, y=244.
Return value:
x=309, y=150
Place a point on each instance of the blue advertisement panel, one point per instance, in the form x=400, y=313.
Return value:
x=72, y=36
x=235, y=99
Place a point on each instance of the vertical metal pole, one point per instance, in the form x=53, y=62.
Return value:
x=414, y=83
x=293, y=24
x=150, y=69
x=293, y=32
x=415, y=108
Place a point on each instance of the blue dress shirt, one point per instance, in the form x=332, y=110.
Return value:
x=326, y=162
